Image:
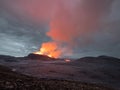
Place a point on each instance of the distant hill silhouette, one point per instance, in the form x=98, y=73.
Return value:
x=99, y=59
x=30, y=56
x=7, y=58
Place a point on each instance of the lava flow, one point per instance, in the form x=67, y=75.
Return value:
x=49, y=49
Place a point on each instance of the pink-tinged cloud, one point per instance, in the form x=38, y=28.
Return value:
x=72, y=22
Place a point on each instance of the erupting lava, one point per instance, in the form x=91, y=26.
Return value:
x=50, y=49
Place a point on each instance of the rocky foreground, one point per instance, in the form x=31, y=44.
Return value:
x=10, y=80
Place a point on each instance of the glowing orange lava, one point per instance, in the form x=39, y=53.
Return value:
x=67, y=60
x=50, y=49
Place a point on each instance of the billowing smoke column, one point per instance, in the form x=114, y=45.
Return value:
x=76, y=21
x=69, y=24
x=72, y=22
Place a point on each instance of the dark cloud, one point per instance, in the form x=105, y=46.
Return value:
x=91, y=27
x=19, y=37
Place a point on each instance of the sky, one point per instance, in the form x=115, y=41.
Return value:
x=83, y=27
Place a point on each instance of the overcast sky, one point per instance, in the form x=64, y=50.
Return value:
x=91, y=27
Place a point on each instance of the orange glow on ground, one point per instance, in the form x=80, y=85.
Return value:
x=67, y=60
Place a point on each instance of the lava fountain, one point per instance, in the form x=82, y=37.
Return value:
x=49, y=49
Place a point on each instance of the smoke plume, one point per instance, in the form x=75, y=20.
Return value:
x=76, y=25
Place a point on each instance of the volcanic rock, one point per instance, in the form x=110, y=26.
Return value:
x=10, y=80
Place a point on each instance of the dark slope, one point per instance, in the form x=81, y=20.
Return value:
x=103, y=69
x=31, y=56
x=99, y=59
x=10, y=80
x=7, y=58
x=38, y=57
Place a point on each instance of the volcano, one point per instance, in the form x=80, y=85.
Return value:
x=30, y=56
x=39, y=57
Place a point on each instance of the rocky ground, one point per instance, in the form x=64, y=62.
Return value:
x=10, y=80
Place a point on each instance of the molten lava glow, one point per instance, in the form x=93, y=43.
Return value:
x=50, y=49
x=67, y=60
